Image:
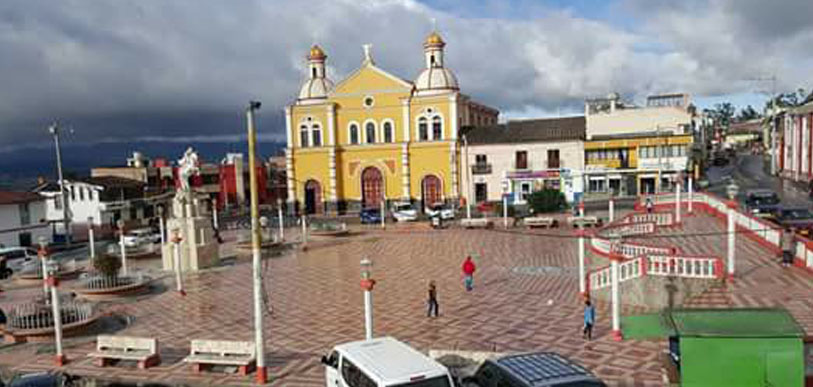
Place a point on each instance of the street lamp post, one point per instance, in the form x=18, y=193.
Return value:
x=691, y=192
x=611, y=209
x=468, y=178
x=367, y=284
x=732, y=191
x=161, y=229
x=91, y=240
x=214, y=214
x=120, y=224
x=50, y=280
x=615, y=257
x=304, y=222
x=176, y=260
x=259, y=341
x=678, y=187
x=505, y=184
x=281, y=224
x=582, y=274
x=264, y=227
x=383, y=214
x=54, y=129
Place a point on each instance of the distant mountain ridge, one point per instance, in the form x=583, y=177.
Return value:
x=19, y=169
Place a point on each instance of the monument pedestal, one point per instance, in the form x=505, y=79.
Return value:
x=199, y=247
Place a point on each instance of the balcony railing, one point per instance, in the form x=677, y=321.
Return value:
x=481, y=168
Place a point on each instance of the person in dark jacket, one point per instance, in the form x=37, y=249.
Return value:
x=433, y=300
x=788, y=246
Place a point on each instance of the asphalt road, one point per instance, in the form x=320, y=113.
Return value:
x=749, y=172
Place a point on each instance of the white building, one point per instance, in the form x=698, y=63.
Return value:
x=796, y=144
x=523, y=157
x=22, y=219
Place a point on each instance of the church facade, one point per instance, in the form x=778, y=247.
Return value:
x=375, y=137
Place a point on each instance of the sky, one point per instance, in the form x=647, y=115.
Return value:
x=141, y=71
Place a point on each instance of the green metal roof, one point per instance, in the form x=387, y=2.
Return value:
x=735, y=323
x=712, y=323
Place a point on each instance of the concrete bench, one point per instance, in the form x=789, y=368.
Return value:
x=222, y=352
x=144, y=350
x=584, y=221
x=539, y=221
x=476, y=223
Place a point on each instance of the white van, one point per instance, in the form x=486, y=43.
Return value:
x=382, y=362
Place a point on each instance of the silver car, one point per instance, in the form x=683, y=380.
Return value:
x=17, y=258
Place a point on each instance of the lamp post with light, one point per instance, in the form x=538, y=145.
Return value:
x=63, y=193
x=176, y=259
x=91, y=240
x=615, y=257
x=732, y=190
x=50, y=281
x=120, y=224
x=367, y=283
x=161, y=230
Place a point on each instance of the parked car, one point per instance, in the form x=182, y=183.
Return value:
x=762, y=202
x=538, y=369
x=798, y=218
x=404, y=212
x=444, y=211
x=382, y=362
x=370, y=215
x=719, y=160
x=140, y=237
x=16, y=258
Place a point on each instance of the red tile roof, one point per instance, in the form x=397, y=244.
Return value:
x=8, y=197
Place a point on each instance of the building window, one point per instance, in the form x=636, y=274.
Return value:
x=525, y=190
x=25, y=214
x=597, y=185
x=81, y=194
x=423, y=129
x=369, y=101
x=553, y=158
x=354, y=134
x=437, y=128
x=521, y=160
x=480, y=192
x=388, y=132
x=369, y=129
x=73, y=193
x=316, y=136
x=303, y=136
x=480, y=159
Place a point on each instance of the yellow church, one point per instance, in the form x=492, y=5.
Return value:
x=374, y=136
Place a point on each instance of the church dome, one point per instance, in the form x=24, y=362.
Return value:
x=315, y=88
x=436, y=78
x=316, y=53
x=434, y=39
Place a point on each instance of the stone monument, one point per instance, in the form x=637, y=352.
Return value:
x=190, y=222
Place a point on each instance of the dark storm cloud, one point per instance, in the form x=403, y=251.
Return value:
x=175, y=69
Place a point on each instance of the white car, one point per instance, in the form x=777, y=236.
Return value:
x=17, y=258
x=140, y=237
x=445, y=212
x=404, y=212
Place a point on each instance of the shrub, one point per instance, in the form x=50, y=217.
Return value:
x=547, y=200
x=498, y=210
x=108, y=265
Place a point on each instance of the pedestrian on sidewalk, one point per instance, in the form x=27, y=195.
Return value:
x=433, y=300
x=468, y=273
x=788, y=246
x=589, y=320
x=649, y=205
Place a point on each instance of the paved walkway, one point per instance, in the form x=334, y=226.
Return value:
x=525, y=299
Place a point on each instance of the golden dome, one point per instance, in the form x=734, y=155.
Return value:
x=434, y=40
x=316, y=53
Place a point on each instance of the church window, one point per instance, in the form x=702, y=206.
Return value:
x=437, y=128
x=370, y=132
x=423, y=129
x=354, y=134
x=388, y=135
x=432, y=60
x=368, y=101
x=303, y=136
x=316, y=136
x=314, y=72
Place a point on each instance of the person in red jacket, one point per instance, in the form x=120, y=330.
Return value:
x=468, y=273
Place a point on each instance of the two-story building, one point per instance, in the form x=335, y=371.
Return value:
x=520, y=157
x=796, y=143
x=22, y=219
x=374, y=136
x=631, y=149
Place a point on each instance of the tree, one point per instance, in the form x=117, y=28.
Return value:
x=792, y=99
x=749, y=113
x=547, y=200
x=108, y=265
x=722, y=113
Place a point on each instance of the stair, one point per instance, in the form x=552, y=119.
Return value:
x=716, y=296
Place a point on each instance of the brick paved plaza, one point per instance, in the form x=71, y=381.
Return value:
x=317, y=303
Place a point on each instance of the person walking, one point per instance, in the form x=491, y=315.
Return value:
x=433, y=300
x=788, y=246
x=589, y=320
x=649, y=205
x=468, y=273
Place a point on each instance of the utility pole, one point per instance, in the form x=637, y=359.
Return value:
x=259, y=341
x=66, y=221
x=468, y=177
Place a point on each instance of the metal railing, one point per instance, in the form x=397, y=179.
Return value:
x=101, y=281
x=481, y=168
x=40, y=316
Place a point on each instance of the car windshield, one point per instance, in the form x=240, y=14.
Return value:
x=764, y=198
x=440, y=381
x=403, y=207
x=796, y=214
